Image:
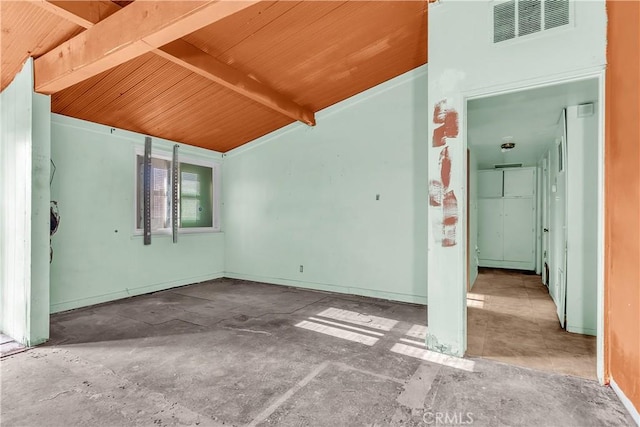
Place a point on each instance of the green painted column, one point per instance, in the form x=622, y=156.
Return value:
x=24, y=216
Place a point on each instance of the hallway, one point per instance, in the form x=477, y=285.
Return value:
x=512, y=319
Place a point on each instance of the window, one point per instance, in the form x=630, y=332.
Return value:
x=197, y=195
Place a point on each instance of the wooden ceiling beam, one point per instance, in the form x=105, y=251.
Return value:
x=88, y=14
x=200, y=62
x=131, y=32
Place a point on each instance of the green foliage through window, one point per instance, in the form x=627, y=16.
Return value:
x=196, y=196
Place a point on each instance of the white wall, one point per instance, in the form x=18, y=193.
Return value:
x=473, y=217
x=97, y=257
x=24, y=215
x=539, y=231
x=582, y=228
x=307, y=196
x=467, y=60
x=465, y=63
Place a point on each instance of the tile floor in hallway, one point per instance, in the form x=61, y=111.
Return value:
x=511, y=318
x=232, y=353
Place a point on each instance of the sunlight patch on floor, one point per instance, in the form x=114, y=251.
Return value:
x=431, y=356
x=417, y=331
x=420, y=344
x=337, y=332
x=356, y=318
x=475, y=304
x=353, y=328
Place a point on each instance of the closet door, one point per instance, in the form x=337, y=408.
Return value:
x=519, y=182
x=490, y=183
x=490, y=244
x=519, y=230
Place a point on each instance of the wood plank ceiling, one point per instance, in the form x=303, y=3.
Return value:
x=28, y=30
x=316, y=53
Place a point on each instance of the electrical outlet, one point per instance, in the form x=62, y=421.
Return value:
x=301, y=269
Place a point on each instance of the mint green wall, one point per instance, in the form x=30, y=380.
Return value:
x=40, y=218
x=307, y=196
x=24, y=214
x=97, y=257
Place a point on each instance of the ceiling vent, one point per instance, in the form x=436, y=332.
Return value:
x=529, y=17
x=586, y=110
x=518, y=18
x=556, y=13
x=504, y=21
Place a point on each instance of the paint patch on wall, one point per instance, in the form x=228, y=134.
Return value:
x=440, y=195
x=447, y=118
x=449, y=219
x=435, y=193
x=445, y=167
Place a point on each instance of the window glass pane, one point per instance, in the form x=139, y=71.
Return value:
x=160, y=187
x=190, y=184
x=196, y=196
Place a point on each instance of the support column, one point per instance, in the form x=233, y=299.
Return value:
x=25, y=155
x=446, y=265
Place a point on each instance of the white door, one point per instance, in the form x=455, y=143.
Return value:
x=559, y=228
x=519, y=230
x=560, y=247
x=519, y=182
x=490, y=229
x=490, y=183
x=545, y=218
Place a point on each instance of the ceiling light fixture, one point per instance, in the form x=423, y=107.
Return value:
x=507, y=144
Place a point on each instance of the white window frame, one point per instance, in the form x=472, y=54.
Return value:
x=216, y=175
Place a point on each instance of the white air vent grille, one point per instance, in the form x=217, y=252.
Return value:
x=504, y=22
x=507, y=165
x=586, y=110
x=529, y=17
x=556, y=13
x=518, y=18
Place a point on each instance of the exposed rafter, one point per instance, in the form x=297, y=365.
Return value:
x=192, y=58
x=125, y=35
x=89, y=14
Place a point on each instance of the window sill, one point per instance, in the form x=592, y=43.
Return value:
x=181, y=232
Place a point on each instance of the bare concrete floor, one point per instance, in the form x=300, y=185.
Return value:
x=236, y=353
x=511, y=318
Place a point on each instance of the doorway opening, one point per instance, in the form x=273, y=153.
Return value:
x=533, y=227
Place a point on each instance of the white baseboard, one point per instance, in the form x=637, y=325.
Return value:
x=518, y=265
x=580, y=330
x=626, y=402
x=112, y=296
x=415, y=299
